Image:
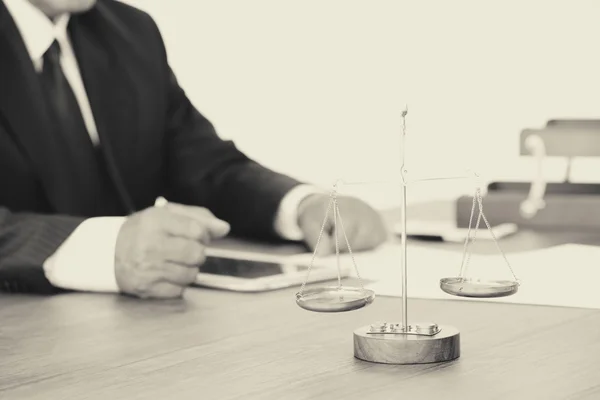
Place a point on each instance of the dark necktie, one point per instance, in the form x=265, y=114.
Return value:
x=91, y=190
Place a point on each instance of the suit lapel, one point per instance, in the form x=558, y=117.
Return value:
x=106, y=84
x=23, y=106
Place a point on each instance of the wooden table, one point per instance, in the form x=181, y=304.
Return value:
x=218, y=345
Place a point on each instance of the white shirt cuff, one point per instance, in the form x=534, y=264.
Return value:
x=286, y=221
x=86, y=260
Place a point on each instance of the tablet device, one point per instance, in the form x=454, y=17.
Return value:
x=254, y=272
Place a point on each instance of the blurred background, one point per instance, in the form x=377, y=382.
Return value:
x=315, y=89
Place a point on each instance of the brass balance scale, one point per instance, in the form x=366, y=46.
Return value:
x=403, y=343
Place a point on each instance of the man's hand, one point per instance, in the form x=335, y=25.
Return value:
x=159, y=250
x=363, y=225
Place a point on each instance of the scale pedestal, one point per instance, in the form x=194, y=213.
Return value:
x=422, y=344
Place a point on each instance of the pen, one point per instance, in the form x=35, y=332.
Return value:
x=160, y=202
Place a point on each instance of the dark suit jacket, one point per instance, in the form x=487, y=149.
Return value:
x=154, y=143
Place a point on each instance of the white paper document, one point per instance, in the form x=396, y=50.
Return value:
x=448, y=232
x=565, y=275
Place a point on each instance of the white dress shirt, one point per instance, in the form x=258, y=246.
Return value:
x=85, y=261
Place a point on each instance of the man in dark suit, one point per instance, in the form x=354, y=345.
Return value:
x=93, y=128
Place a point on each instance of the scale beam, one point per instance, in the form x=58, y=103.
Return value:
x=407, y=182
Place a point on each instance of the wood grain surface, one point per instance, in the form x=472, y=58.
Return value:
x=220, y=345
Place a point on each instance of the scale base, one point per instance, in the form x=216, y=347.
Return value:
x=386, y=345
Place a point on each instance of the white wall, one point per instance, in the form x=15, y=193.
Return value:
x=315, y=88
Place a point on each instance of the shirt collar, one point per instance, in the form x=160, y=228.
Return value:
x=37, y=30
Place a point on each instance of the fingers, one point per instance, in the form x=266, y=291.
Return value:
x=311, y=229
x=364, y=238
x=367, y=231
x=178, y=274
x=166, y=280
x=177, y=224
x=165, y=290
x=363, y=227
x=327, y=245
x=311, y=236
x=217, y=227
x=159, y=250
x=368, y=234
x=182, y=251
x=185, y=228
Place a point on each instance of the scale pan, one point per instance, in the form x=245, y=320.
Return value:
x=476, y=288
x=335, y=299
